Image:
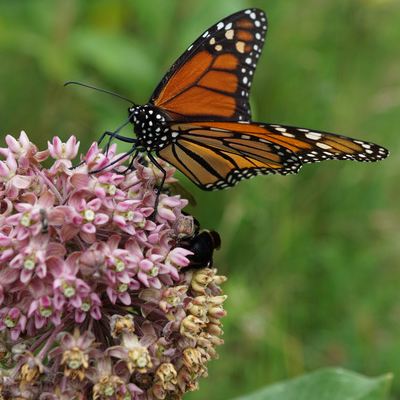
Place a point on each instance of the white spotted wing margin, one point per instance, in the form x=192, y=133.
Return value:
x=217, y=158
x=314, y=146
x=217, y=155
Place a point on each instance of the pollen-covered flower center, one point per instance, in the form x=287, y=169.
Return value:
x=140, y=357
x=86, y=305
x=10, y=322
x=153, y=271
x=173, y=301
x=128, y=215
x=26, y=219
x=29, y=262
x=68, y=289
x=75, y=358
x=110, y=188
x=46, y=311
x=89, y=215
x=119, y=265
x=122, y=287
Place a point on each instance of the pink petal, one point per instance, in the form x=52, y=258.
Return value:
x=80, y=181
x=13, y=144
x=95, y=313
x=88, y=228
x=46, y=200
x=125, y=298
x=21, y=182
x=71, y=148
x=112, y=294
x=68, y=232
x=4, y=170
x=101, y=219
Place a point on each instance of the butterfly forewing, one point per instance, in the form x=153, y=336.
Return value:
x=212, y=79
x=219, y=154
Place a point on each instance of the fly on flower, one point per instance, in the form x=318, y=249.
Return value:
x=199, y=119
x=45, y=222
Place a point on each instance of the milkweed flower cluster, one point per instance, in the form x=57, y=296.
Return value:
x=97, y=297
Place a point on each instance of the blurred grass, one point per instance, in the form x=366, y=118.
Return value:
x=312, y=259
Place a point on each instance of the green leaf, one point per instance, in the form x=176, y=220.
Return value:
x=326, y=384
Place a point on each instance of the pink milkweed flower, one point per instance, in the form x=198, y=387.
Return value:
x=11, y=181
x=82, y=253
x=84, y=217
x=45, y=307
x=59, y=150
x=63, y=153
x=14, y=320
x=25, y=152
x=92, y=306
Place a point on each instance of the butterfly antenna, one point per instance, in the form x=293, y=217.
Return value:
x=100, y=90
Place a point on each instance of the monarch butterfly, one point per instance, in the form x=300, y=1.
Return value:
x=199, y=120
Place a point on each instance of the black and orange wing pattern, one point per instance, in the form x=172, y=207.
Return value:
x=212, y=78
x=199, y=117
x=217, y=155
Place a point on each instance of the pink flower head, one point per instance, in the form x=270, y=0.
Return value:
x=83, y=251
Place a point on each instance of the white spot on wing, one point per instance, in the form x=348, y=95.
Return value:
x=324, y=146
x=287, y=134
x=313, y=135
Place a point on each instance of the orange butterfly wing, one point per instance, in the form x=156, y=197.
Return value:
x=199, y=117
x=215, y=155
x=212, y=79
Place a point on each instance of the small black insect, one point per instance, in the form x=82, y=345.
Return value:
x=45, y=223
x=202, y=244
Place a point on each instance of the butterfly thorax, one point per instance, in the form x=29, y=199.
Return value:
x=151, y=127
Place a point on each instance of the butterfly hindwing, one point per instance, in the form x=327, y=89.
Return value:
x=212, y=78
x=219, y=157
x=215, y=155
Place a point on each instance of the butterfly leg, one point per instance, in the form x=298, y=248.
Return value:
x=113, y=135
x=130, y=166
x=98, y=142
x=154, y=161
x=119, y=137
x=77, y=165
x=117, y=160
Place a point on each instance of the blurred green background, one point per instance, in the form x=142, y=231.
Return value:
x=312, y=259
